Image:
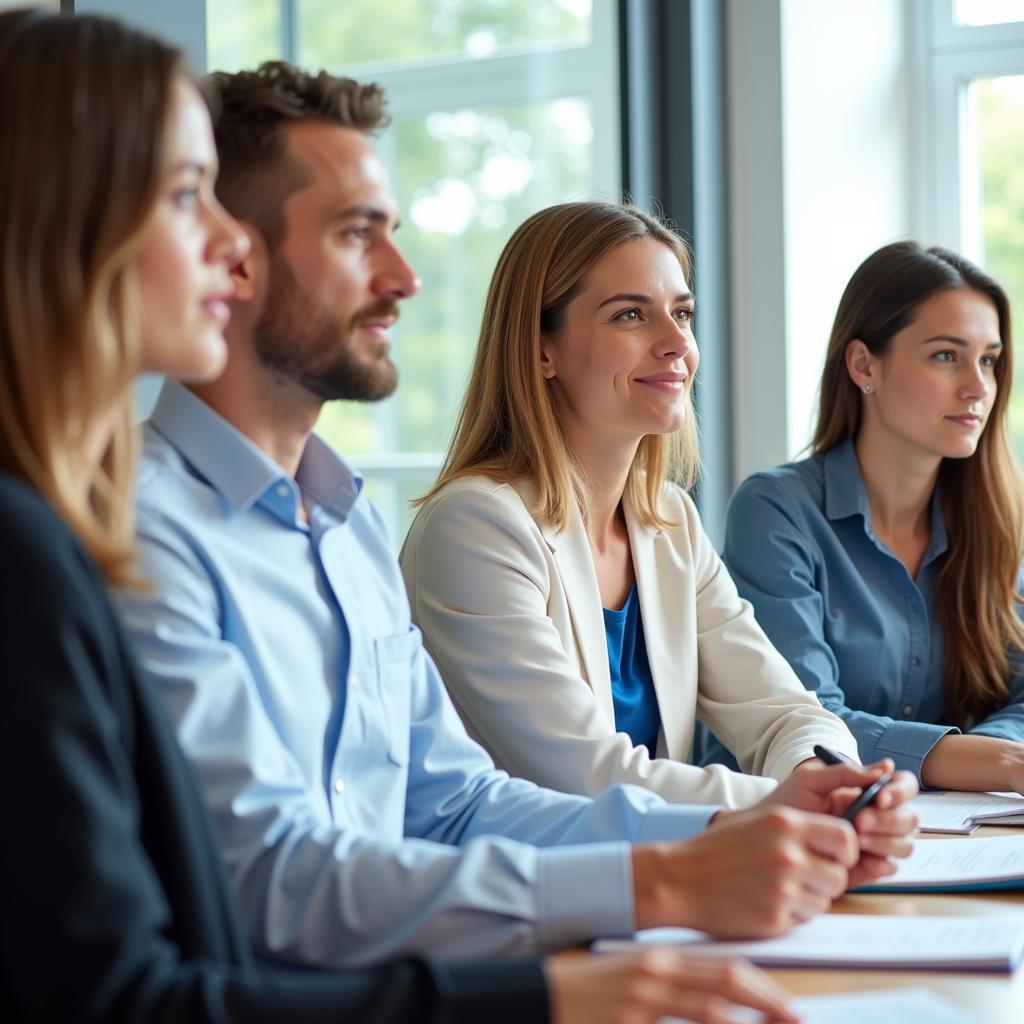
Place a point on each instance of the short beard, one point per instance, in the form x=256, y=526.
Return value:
x=309, y=347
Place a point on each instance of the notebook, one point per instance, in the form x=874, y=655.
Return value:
x=961, y=813
x=962, y=865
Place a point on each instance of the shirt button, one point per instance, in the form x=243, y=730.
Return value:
x=282, y=490
x=353, y=680
x=339, y=785
x=908, y=709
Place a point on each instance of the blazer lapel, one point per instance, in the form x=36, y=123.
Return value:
x=571, y=553
x=662, y=615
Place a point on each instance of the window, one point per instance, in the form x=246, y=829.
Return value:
x=499, y=108
x=987, y=12
x=974, y=79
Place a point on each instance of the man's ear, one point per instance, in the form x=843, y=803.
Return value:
x=246, y=273
x=861, y=365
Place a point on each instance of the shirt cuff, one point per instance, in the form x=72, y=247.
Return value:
x=1006, y=728
x=675, y=821
x=583, y=893
x=909, y=743
x=795, y=754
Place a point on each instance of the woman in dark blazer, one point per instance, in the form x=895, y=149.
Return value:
x=115, y=259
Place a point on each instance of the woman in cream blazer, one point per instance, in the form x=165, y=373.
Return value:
x=554, y=499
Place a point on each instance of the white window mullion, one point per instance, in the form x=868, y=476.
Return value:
x=954, y=153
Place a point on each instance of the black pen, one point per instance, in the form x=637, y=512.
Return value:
x=867, y=796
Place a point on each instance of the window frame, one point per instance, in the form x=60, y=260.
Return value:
x=952, y=55
x=516, y=76
x=532, y=75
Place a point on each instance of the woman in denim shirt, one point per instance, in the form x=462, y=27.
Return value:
x=886, y=566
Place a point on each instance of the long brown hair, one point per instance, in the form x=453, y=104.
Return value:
x=85, y=101
x=976, y=590
x=508, y=427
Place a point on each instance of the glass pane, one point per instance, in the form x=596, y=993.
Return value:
x=989, y=12
x=394, y=499
x=465, y=180
x=998, y=105
x=242, y=33
x=346, y=35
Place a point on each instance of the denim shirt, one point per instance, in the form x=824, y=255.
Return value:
x=357, y=818
x=844, y=611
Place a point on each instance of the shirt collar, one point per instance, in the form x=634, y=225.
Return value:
x=844, y=487
x=240, y=470
x=327, y=479
x=845, y=496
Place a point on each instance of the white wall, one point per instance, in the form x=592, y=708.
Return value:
x=822, y=157
x=6, y=5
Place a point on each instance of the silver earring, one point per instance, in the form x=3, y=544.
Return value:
x=866, y=389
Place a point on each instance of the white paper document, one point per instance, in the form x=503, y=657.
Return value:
x=863, y=940
x=888, y=1006
x=961, y=813
x=960, y=865
x=999, y=807
x=892, y=1006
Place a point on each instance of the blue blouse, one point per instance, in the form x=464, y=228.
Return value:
x=844, y=611
x=633, y=696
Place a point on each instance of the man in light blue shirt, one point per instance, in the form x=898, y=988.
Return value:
x=357, y=818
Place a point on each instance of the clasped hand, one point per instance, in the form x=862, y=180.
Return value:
x=884, y=829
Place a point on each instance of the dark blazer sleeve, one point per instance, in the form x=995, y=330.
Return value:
x=87, y=925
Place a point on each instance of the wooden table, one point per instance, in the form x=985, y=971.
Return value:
x=985, y=998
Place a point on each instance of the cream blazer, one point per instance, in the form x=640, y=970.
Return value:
x=510, y=611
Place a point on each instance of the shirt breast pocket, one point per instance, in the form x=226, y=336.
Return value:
x=394, y=655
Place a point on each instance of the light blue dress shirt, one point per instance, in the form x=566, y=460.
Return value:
x=844, y=611
x=358, y=819
x=633, y=695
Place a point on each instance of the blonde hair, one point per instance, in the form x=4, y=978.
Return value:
x=78, y=180
x=508, y=427
x=976, y=591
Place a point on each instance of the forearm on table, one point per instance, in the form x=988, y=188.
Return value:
x=974, y=763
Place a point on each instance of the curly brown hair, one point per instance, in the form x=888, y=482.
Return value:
x=251, y=113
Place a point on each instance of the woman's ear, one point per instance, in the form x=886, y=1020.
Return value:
x=547, y=360
x=862, y=366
